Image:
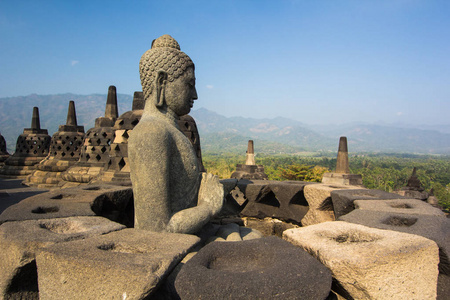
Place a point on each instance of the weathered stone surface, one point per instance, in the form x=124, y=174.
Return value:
x=407, y=206
x=372, y=263
x=277, y=199
x=318, y=197
x=443, y=288
x=19, y=242
x=170, y=194
x=3, y=150
x=266, y=268
x=112, y=202
x=430, y=226
x=268, y=226
x=343, y=199
x=127, y=264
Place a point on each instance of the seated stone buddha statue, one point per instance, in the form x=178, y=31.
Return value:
x=170, y=194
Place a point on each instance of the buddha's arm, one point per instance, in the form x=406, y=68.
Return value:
x=149, y=163
x=210, y=201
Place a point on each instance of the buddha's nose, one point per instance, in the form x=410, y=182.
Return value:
x=194, y=94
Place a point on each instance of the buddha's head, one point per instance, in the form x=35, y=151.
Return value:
x=167, y=77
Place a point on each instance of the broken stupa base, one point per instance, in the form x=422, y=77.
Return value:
x=342, y=179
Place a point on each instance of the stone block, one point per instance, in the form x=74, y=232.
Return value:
x=370, y=263
x=343, y=199
x=19, y=242
x=266, y=268
x=127, y=264
x=407, y=206
x=318, y=197
x=430, y=226
x=110, y=201
x=342, y=179
x=275, y=199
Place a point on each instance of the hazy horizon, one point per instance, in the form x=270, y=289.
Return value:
x=317, y=62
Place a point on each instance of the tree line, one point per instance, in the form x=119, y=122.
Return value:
x=387, y=172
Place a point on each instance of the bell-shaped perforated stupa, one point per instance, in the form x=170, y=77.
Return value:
x=94, y=155
x=65, y=149
x=3, y=151
x=118, y=170
x=250, y=170
x=32, y=146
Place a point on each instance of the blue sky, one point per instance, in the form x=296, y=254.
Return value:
x=313, y=61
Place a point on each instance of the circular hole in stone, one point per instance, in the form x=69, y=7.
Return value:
x=355, y=236
x=400, y=205
x=96, y=188
x=400, y=221
x=45, y=210
x=64, y=227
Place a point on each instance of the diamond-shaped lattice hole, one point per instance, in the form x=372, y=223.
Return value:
x=63, y=142
x=116, y=147
x=67, y=137
x=63, y=154
x=134, y=123
x=103, y=149
x=67, y=148
x=72, y=154
x=186, y=124
x=99, y=142
x=98, y=157
x=104, y=134
x=60, y=137
x=35, y=152
x=88, y=156
x=121, y=163
x=93, y=149
x=28, y=151
x=121, y=122
x=125, y=134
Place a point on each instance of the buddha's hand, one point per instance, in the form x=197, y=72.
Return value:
x=211, y=193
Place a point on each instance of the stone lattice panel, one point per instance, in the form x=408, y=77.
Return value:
x=189, y=128
x=67, y=145
x=36, y=145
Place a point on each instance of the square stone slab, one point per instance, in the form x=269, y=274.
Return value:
x=90, y=200
x=19, y=242
x=432, y=227
x=343, y=199
x=127, y=264
x=318, y=197
x=371, y=263
x=406, y=206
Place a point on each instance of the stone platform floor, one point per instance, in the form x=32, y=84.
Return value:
x=12, y=191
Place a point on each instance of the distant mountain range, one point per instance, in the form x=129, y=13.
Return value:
x=221, y=134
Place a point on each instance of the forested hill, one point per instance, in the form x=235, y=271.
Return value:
x=221, y=134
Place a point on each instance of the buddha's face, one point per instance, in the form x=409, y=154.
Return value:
x=181, y=93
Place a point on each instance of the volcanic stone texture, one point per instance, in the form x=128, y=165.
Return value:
x=318, y=196
x=436, y=228
x=371, y=263
x=19, y=242
x=408, y=206
x=343, y=199
x=112, y=202
x=127, y=264
x=282, y=200
x=266, y=268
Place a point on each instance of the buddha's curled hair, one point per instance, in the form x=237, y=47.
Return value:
x=164, y=55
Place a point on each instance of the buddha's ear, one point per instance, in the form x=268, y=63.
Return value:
x=160, y=82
